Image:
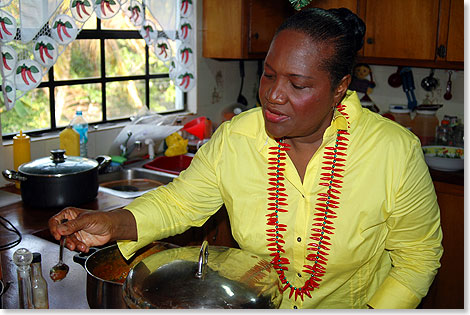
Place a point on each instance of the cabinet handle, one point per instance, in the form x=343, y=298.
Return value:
x=370, y=40
x=442, y=51
x=255, y=35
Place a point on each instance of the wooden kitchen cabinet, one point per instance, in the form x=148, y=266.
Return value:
x=447, y=290
x=241, y=29
x=423, y=33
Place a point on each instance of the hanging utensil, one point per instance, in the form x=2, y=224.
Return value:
x=430, y=83
x=394, y=80
x=448, y=94
x=241, y=99
x=409, y=87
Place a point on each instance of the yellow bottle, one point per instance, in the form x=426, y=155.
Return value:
x=70, y=141
x=21, y=151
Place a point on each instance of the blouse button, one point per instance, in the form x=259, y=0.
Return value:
x=295, y=307
x=299, y=239
x=300, y=276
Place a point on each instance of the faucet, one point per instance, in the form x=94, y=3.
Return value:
x=125, y=150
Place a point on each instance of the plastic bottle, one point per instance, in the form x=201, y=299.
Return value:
x=38, y=283
x=80, y=125
x=21, y=151
x=424, y=126
x=22, y=259
x=70, y=141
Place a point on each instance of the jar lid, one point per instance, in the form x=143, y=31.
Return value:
x=399, y=109
x=58, y=164
x=426, y=112
x=36, y=258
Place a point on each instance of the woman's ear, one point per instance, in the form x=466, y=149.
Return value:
x=342, y=88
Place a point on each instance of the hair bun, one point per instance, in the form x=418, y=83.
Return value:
x=356, y=26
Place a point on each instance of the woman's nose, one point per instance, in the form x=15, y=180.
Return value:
x=276, y=94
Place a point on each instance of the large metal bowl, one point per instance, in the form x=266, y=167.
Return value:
x=202, y=278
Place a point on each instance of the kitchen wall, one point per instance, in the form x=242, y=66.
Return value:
x=218, y=86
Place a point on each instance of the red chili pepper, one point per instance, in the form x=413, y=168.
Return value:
x=84, y=8
x=187, y=82
x=64, y=28
x=4, y=27
x=59, y=27
x=109, y=7
x=147, y=31
x=23, y=75
x=1, y=36
x=5, y=64
x=30, y=75
x=137, y=15
x=102, y=8
x=78, y=10
x=46, y=51
x=183, y=81
x=41, y=53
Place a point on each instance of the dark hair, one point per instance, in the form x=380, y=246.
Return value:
x=340, y=27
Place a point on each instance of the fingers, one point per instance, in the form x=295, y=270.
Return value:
x=56, y=228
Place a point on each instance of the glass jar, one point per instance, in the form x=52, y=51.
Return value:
x=424, y=126
x=401, y=115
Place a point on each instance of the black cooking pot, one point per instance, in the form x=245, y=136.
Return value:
x=58, y=180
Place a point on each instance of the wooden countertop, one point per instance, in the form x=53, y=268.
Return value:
x=69, y=293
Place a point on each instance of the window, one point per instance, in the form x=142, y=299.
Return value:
x=108, y=73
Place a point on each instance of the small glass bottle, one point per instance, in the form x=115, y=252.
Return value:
x=22, y=259
x=38, y=283
x=444, y=133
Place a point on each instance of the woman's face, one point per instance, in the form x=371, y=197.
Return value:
x=295, y=92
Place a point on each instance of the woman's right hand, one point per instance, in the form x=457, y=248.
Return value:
x=84, y=228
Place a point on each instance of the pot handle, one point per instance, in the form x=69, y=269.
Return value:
x=13, y=176
x=203, y=260
x=81, y=258
x=104, y=161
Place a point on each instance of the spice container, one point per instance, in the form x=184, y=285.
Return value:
x=424, y=126
x=21, y=151
x=38, y=283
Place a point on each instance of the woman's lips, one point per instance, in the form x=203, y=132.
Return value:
x=273, y=117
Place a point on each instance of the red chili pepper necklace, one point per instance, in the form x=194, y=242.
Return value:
x=334, y=159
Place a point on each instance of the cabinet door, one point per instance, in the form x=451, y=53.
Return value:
x=223, y=35
x=330, y=4
x=451, y=31
x=405, y=29
x=264, y=20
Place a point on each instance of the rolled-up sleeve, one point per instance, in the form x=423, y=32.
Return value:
x=189, y=200
x=414, y=239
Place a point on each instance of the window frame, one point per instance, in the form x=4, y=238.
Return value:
x=102, y=35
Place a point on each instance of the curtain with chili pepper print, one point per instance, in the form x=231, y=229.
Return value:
x=34, y=33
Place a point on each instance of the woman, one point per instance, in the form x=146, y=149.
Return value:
x=337, y=197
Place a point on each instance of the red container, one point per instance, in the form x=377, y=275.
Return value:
x=170, y=164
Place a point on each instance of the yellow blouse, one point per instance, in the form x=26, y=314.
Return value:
x=386, y=244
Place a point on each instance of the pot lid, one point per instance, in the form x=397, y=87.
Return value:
x=203, y=278
x=58, y=164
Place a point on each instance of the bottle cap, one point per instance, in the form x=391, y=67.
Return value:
x=36, y=258
x=79, y=112
x=21, y=136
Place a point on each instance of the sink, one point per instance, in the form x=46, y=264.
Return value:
x=132, y=182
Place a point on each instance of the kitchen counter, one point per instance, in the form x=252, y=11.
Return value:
x=70, y=293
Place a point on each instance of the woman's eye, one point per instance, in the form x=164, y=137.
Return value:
x=298, y=87
x=267, y=75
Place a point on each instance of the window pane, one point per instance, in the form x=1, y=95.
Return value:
x=118, y=22
x=80, y=60
x=125, y=57
x=85, y=97
x=91, y=23
x=164, y=96
x=31, y=112
x=124, y=98
x=156, y=65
